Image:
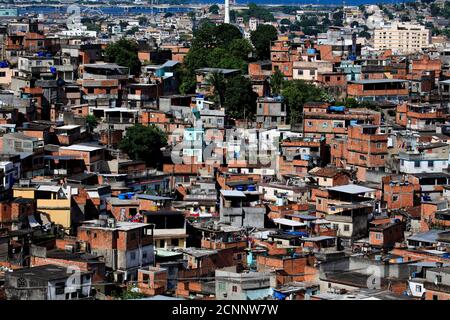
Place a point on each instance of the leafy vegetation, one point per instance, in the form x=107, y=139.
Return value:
x=261, y=39
x=240, y=99
x=296, y=93
x=257, y=12
x=144, y=143
x=276, y=82
x=91, y=122
x=124, y=53
x=221, y=46
x=214, y=9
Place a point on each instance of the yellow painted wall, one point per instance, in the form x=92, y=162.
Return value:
x=24, y=193
x=58, y=210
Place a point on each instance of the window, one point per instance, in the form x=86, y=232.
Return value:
x=346, y=227
x=378, y=145
x=416, y=164
x=133, y=256
x=162, y=243
x=438, y=278
x=435, y=297
x=309, y=124
x=174, y=242
x=2, y=74
x=234, y=288
x=325, y=125
x=430, y=164
x=378, y=236
x=59, y=288
x=394, y=198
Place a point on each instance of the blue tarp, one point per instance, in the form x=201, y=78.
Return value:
x=298, y=233
x=279, y=296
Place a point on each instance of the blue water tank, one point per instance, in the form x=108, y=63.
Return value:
x=123, y=196
x=3, y=64
x=310, y=51
x=53, y=70
x=251, y=187
x=240, y=188
x=40, y=54
x=337, y=108
x=353, y=122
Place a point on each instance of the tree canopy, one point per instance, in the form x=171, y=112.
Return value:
x=240, y=99
x=124, y=53
x=221, y=46
x=214, y=9
x=276, y=82
x=144, y=143
x=296, y=93
x=257, y=12
x=91, y=122
x=261, y=39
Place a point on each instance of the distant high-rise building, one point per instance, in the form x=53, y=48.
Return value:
x=402, y=37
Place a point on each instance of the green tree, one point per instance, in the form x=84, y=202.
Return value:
x=143, y=21
x=286, y=22
x=214, y=9
x=240, y=99
x=124, y=53
x=240, y=48
x=261, y=39
x=225, y=33
x=144, y=143
x=351, y=103
x=214, y=46
x=91, y=122
x=257, y=12
x=217, y=81
x=276, y=82
x=364, y=34
x=296, y=93
x=133, y=30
